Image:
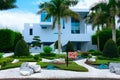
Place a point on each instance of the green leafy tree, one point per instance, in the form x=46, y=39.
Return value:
x=7, y=4
x=110, y=49
x=59, y=9
x=36, y=42
x=69, y=47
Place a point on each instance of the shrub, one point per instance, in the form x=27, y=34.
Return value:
x=118, y=50
x=56, y=45
x=1, y=55
x=104, y=35
x=42, y=54
x=118, y=42
x=36, y=57
x=96, y=53
x=69, y=47
x=6, y=40
x=4, y=61
x=18, y=36
x=85, y=54
x=21, y=49
x=110, y=49
x=47, y=49
x=91, y=50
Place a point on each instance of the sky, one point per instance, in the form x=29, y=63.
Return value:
x=25, y=13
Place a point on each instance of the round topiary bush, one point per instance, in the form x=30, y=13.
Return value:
x=21, y=49
x=47, y=49
x=110, y=49
x=69, y=47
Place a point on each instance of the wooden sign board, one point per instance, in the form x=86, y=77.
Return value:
x=72, y=55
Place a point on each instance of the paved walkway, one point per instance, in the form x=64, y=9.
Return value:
x=48, y=74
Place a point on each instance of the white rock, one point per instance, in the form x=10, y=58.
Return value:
x=36, y=68
x=15, y=61
x=60, y=60
x=115, y=68
x=26, y=71
x=46, y=60
x=91, y=59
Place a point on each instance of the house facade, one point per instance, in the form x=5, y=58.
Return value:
x=78, y=32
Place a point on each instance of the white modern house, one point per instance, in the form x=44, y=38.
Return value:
x=78, y=32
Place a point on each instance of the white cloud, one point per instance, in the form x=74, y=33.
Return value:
x=16, y=20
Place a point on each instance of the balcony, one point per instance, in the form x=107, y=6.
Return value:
x=45, y=24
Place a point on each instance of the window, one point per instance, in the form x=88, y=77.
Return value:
x=63, y=24
x=75, y=26
x=43, y=15
x=31, y=31
x=44, y=27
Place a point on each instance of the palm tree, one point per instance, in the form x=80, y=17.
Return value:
x=97, y=18
x=109, y=9
x=7, y=4
x=59, y=9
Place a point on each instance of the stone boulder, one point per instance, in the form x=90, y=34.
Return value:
x=27, y=69
x=35, y=68
x=15, y=61
x=114, y=68
x=59, y=61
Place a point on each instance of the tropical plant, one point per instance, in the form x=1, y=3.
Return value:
x=7, y=4
x=58, y=9
x=109, y=10
x=110, y=49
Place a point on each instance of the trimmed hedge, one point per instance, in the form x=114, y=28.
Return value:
x=42, y=54
x=21, y=49
x=47, y=49
x=104, y=35
x=110, y=49
x=8, y=40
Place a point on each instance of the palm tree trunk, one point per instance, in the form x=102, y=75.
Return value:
x=59, y=37
x=98, y=40
x=113, y=30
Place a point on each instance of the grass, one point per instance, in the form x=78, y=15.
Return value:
x=56, y=56
x=72, y=66
x=11, y=65
x=105, y=60
x=6, y=63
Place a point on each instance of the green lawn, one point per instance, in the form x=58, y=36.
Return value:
x=106, y=60
x=6, y=63
x=72, y=66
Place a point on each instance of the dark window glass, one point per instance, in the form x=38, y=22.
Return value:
x=31, y=31
x=75, y=26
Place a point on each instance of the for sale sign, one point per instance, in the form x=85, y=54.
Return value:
x=72, y=55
